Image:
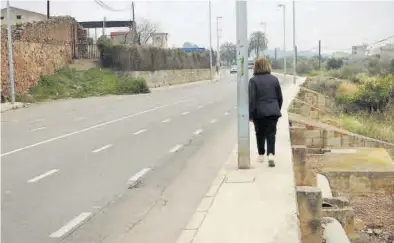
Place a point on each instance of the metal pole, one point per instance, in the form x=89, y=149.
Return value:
x=217, y=44
x=48, y=10
x=294, y=46
x=104, y=26
x=10, y=54
x=242, y=85
x=210, y=42
x=284, y=39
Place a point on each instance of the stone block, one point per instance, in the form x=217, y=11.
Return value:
x=309, y=200
x=297, y=135
x=345, y=216
x=302, y=174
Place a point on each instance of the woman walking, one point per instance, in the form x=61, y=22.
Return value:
x=265, y=104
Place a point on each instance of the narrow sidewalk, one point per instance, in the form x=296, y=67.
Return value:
x=257, y=205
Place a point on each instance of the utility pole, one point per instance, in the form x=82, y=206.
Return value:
x=294, y=47
x=217, y=44
x=104, y=20
x=242, y=85
x=10, y=54
x=284, y=38
x=48, y=10
x=276, y=53
x=319, y=55
x=210, y=42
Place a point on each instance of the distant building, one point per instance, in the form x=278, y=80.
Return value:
x=122, y=37
x=159, y=40
x=20, y=16
x=387, y=51
x=359, y=51
x=340, y=54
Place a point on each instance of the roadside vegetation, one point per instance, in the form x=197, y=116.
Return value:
x=363, y=92
x=69, y=83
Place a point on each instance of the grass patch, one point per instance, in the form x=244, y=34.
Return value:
x=69, y=83
x=375, y=125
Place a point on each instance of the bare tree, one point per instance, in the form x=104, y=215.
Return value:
x=258, y=42
x=228, y=52
x=145, y=31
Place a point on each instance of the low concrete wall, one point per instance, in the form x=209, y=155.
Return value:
x=172, y=77
x=358, y=183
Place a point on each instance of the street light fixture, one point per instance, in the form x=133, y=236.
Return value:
x=210, y=41
x=284, y=37
x=218, y=45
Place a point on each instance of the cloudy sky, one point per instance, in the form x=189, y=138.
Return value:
x=338, y=24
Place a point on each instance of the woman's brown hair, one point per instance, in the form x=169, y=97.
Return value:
x=262, y=66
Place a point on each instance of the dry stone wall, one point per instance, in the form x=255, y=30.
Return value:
x=39, y=48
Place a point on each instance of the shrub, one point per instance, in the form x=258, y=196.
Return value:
x=333, y=63
x=132, y=86
x=68, y=83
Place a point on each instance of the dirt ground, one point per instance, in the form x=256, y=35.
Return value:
x=374, y=214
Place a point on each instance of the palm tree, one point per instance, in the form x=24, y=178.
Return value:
x=258, y=42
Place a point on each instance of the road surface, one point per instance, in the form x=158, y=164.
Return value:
x=69, y=167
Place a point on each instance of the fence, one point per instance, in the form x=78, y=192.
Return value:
x=86, y=51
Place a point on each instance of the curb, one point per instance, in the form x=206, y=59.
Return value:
x=190, y=231
x=8, y=106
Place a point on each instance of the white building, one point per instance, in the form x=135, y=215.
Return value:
x=20, y=16
x=160, y=40
x=387, y=51
x=359, y=51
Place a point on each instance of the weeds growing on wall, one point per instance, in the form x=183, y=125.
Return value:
x=68, y=83
x=141, y=58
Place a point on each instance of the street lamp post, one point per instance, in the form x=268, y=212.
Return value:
x=10, y=54
x=265, y=33
x=210, y=41
x=294, y=46
x=217, y=44
x=242, y=85
x=284, y=38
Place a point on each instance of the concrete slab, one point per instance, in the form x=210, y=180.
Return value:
x=255, y=205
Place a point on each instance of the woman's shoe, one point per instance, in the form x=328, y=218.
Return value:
x=261, y=159
x=271, y=160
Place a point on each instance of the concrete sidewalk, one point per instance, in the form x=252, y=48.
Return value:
x=250, y=206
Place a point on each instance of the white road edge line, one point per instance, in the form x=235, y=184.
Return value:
x=166, y=120
x=201, y=106
x=37, y=178
x=176, y=148
x=135, y=179
x=226, y=113
x=79, y=118
x=185, y=113
x=102, y=148
x=140, y=131
x=70, y=225
x=38, y=129
x=90, y=128
x=198, y=132
x=214, y=120
x=37, y=120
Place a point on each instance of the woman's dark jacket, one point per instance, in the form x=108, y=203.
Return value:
x=265, y=97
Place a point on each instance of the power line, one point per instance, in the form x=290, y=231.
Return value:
x=105, y=6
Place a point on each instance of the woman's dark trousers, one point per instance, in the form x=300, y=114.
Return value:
x=266, y=130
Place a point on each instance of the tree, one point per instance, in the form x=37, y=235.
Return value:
x=258, y=42
x=392, y=66
x=145, y=31
x=333, y=63
x=228, y=52
x=189, y=45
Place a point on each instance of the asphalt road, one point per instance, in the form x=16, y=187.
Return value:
x=67, y=165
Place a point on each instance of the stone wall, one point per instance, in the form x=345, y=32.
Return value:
x=359, y=183
x=172, y=77
x=39, y=48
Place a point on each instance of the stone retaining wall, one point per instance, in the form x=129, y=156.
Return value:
x=39, y=48
x=172, y=77
x=359, y=183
